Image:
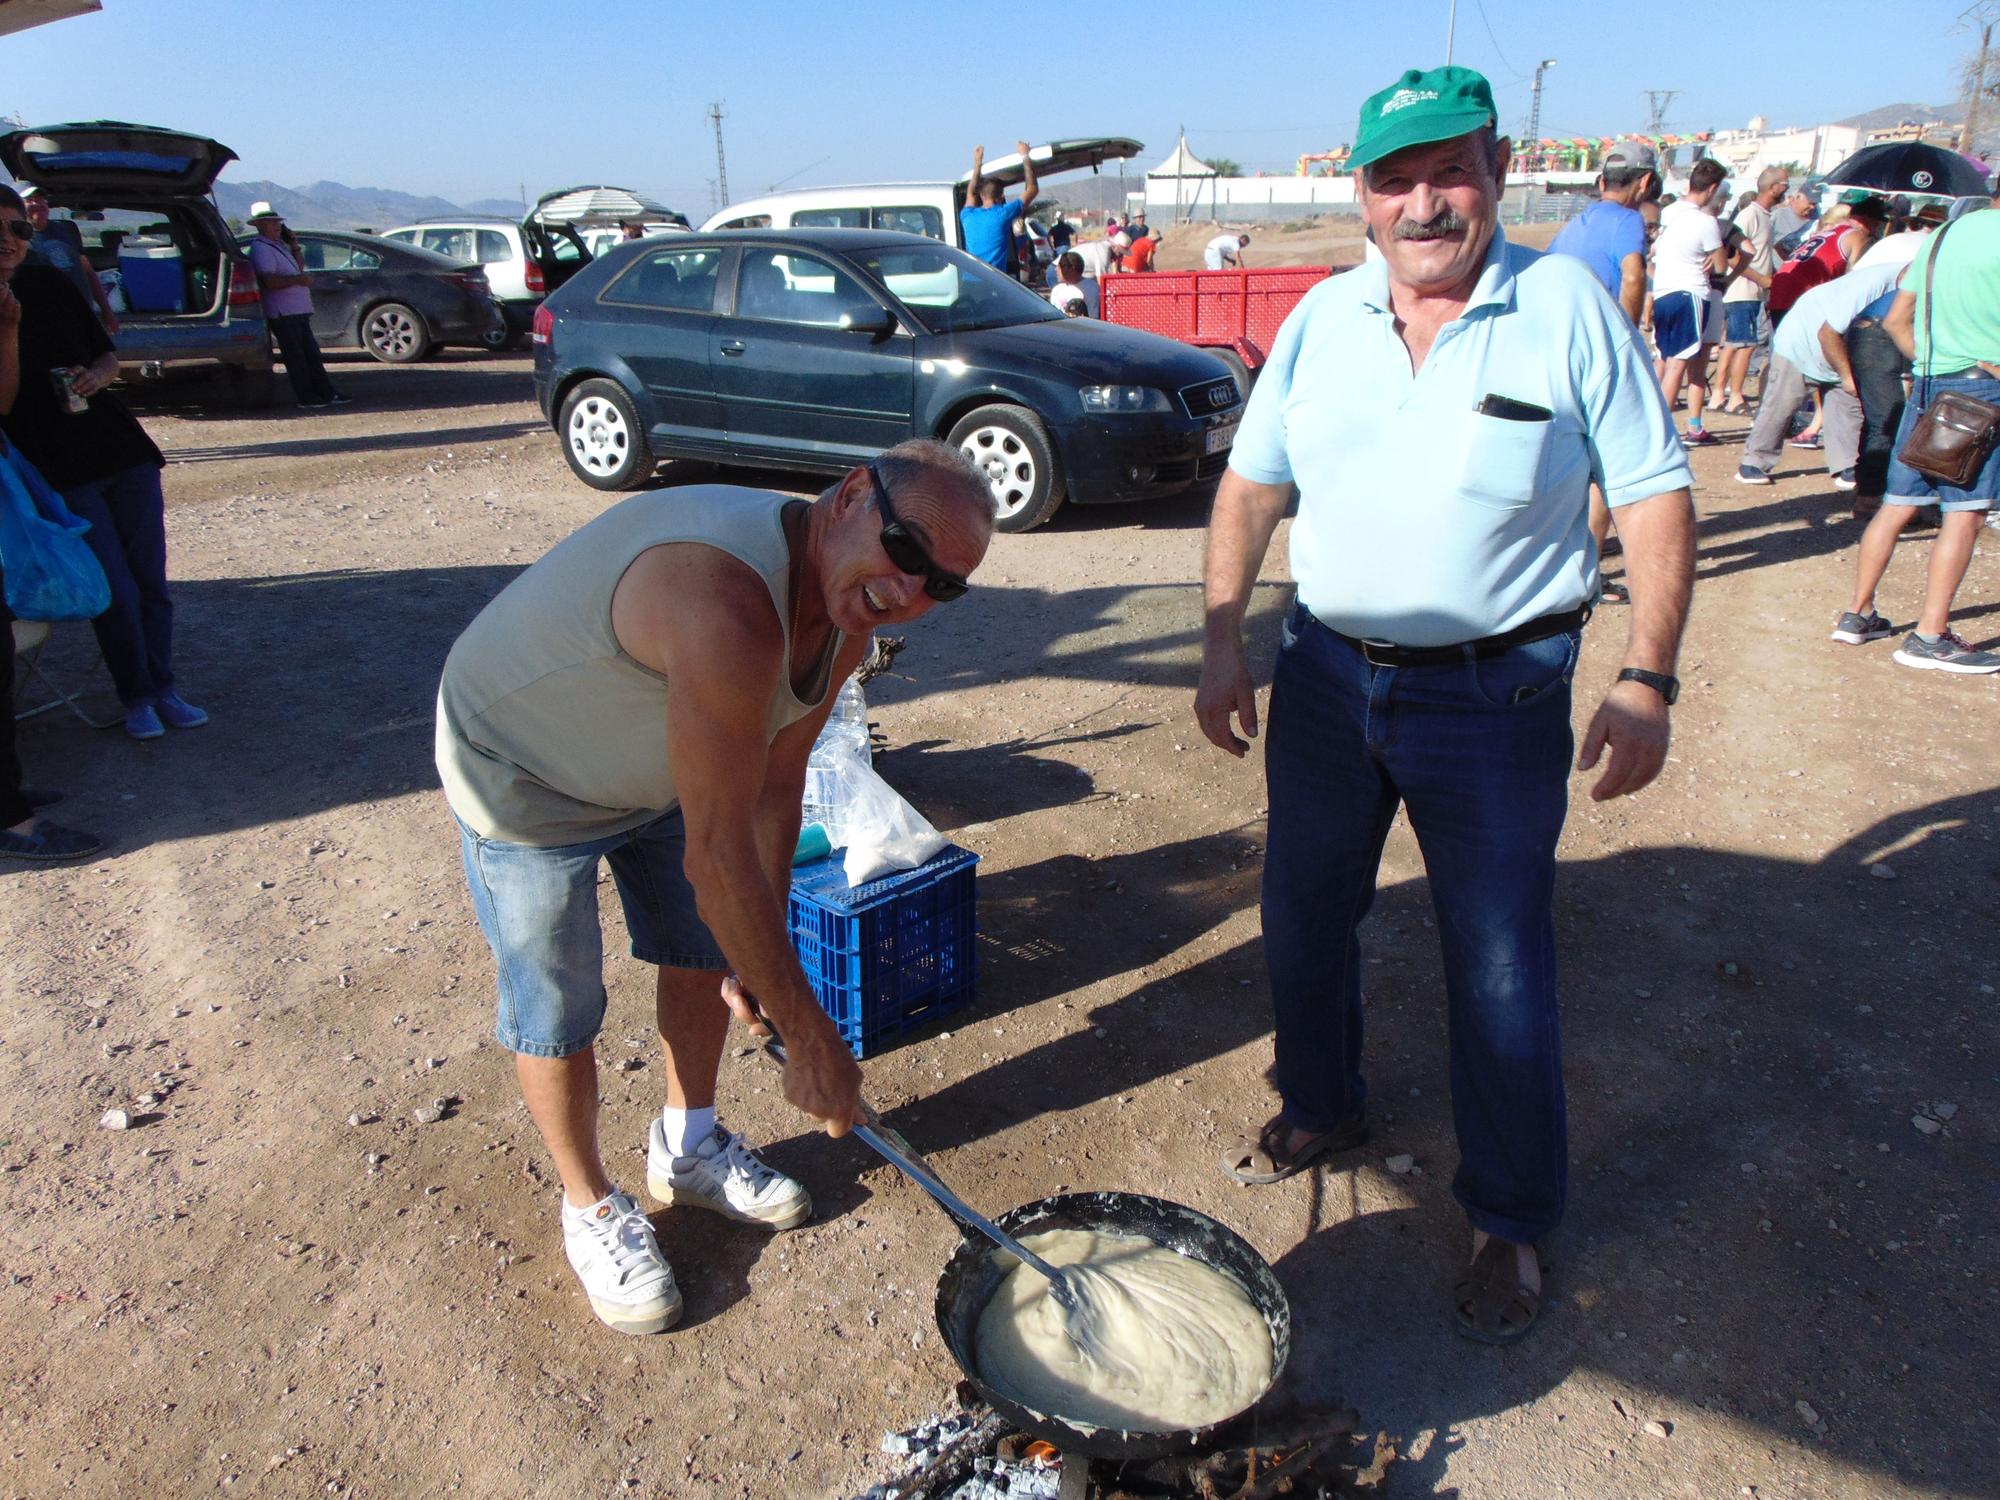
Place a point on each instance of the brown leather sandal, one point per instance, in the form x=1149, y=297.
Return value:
x=1491, y=1305
x=1263, y=1158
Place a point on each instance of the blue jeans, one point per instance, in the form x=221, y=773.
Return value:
x=1905, y=486
x=538, y=910
x=128, y=532
x=1479, y=753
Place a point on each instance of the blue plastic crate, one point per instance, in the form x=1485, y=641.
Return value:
x=889, y=955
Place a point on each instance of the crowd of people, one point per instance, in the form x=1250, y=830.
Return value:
x=1850, y=322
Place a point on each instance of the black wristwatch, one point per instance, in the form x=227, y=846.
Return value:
x=1667, y=687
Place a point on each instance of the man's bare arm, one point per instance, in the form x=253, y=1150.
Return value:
x=724, y=654
x=1240, y=527
x=1632, y=286
x=778, y=808
x=1658, y=539
x=972, y=183
x=1834, y=346
x=1030, y=188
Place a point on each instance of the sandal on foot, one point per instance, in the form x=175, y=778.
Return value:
x=1262, y=1159
x=1611, y=591
x=1489, y=1303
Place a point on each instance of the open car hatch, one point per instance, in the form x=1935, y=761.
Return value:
x=113, y=157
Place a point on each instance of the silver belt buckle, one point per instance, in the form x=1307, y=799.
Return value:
x=1369, y=648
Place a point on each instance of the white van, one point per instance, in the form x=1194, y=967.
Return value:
x=926, y=208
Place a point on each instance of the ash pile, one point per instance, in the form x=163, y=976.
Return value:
x=1291, y=1454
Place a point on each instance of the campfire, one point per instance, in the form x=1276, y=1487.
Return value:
x=1295, y=1453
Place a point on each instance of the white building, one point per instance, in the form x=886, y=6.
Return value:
x=1814, y=150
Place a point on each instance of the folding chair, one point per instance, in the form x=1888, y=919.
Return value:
x=30, y=637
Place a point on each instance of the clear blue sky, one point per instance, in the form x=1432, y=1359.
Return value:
x=473, y=98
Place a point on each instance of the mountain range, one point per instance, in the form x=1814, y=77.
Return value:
x=335, y=205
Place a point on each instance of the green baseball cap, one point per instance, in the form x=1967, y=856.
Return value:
x=1419, y=108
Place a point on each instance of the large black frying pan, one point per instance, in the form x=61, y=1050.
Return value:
x=976, y=1268
x=974, y=1271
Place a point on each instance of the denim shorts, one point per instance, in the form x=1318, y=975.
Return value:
x=1907, y=487
x=538, y=909
x=1739, y=324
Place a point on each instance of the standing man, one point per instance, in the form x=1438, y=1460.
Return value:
x=59, y=243
x=288, y=305
x=1791, y=219
x=1743, y=300
x=647, y=695
x=1687, y=313
x=1947, y=321
x=987, y=222
x=1610, y=236
x=1224, y=251
x=1428, y=660
x=1061, y=233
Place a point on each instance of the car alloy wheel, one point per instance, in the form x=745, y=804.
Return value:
x=1007, y=464
x=599, y=439
x=395, y=334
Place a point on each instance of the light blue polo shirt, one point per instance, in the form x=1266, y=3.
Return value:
x=1422, y=521
x=1833, y=304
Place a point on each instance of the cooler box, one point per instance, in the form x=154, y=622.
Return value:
x=151, y=272
x=889, y=955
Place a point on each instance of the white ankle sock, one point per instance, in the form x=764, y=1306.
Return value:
x=687, y=1128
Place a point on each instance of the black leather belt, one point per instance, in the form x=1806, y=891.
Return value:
x=1387, y=654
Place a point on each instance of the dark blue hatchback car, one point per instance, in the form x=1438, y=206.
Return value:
x=817, y=348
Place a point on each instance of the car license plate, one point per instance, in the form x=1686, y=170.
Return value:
x=1219, y=438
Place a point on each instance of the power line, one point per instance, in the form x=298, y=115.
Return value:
x=1518, y=74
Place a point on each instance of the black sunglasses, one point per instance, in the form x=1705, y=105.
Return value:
x=907, y=553
x=21, y=229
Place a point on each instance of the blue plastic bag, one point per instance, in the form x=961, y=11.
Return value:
x=51, y=572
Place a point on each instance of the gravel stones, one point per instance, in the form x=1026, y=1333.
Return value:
x=116, y=1119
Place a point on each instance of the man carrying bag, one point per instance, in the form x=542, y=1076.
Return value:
x=1946, y=319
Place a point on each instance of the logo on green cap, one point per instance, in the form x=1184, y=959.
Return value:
x=1422, y=107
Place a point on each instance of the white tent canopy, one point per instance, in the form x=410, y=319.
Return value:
x=1181, y=167
x=1183, y=163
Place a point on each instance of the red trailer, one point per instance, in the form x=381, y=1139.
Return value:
x=1235, y=314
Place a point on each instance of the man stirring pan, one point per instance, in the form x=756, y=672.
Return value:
x=646, y=696
x=1441, y=414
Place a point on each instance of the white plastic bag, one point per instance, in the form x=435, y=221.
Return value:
x=870, y=820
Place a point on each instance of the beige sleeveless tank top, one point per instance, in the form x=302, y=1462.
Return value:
x=547, y=732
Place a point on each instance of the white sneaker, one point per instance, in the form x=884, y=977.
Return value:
x=725, y=1176
x=614, y=1254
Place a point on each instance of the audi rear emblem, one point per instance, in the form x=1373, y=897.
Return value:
x=1220, y=395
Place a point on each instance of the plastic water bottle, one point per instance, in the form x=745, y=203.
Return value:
x=844, y=737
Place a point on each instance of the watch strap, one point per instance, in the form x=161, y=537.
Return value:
x=1667, y=687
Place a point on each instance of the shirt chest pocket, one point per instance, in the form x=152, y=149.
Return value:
x=1500, y=462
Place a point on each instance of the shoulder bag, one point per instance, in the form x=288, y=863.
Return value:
x=1951, y=440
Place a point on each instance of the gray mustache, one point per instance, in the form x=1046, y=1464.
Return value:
x=1447, y=223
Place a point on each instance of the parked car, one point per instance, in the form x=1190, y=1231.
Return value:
x=396, y=301
x=140, y=197
x=601, y=238
x=816, y=349
x=523, y=260
x=926, y=208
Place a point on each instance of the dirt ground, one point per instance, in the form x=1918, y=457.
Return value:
x=1786, y=1144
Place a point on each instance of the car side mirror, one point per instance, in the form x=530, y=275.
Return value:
x=874, y=320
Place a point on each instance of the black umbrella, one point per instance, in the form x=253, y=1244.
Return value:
x=1909, y=167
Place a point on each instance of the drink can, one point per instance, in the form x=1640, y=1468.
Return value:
x=66, y=392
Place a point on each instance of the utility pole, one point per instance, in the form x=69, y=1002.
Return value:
x=1980, y=15
x=1450, y=31
x=721, y=172
x=1535, y=109
x=1658, y=102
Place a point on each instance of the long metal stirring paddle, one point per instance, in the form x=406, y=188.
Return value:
x=898, y=1152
